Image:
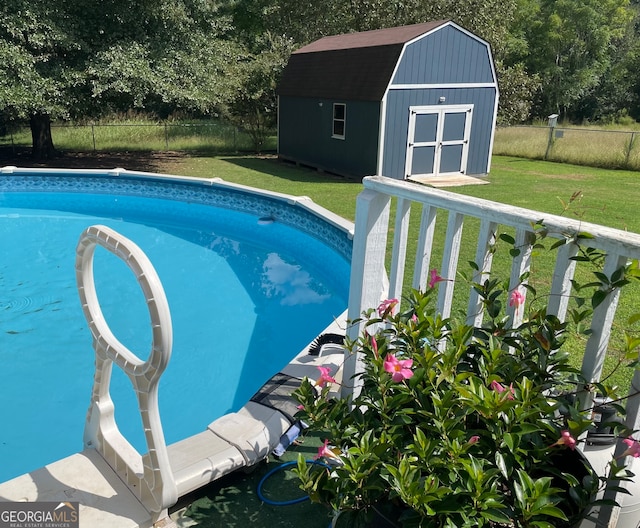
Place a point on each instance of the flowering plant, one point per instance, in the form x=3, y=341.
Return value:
x=456, y=425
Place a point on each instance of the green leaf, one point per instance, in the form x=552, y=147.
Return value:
x=598, y=297
x=502, y=466
x=552, y=511
x=495, y=515
x=507, y=238
x=508, y=441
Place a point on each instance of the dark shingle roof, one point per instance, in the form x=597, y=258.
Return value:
x=354, y=66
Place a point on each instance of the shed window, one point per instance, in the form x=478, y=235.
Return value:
x=339, y=120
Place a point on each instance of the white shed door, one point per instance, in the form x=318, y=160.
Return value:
x=438, y=140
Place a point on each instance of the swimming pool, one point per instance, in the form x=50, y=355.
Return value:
x=250, y=278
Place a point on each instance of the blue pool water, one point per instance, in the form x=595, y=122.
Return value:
x=245, y=297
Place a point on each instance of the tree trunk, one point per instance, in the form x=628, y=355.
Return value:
x=42, y=143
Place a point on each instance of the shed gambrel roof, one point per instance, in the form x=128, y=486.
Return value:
x=353, y=66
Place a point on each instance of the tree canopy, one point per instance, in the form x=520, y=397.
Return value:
x=79, y=59
x=82, y=58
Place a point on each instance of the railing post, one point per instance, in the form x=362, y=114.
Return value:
x=520, y=265
x=450, y=255
x=596, y=348
x=425, y=243
x=484, y=259
x=368, y=276
x=398, y=257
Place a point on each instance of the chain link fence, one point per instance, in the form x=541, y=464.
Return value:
x=580, y=146
x=217, y=136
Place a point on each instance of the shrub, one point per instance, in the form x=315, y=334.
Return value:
x=456, y=425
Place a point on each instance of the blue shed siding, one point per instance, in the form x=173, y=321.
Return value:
x=306, y=135
x=444, y=61
x=446, y=56
x=397, y=123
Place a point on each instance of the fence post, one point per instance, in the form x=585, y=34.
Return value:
x=166, y=137
x=553, y=120
x=629, y=149
x=93, y=135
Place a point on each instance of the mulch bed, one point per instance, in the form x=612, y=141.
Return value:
x=137, y=161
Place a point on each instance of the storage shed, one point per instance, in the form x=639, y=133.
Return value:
x=416, y=101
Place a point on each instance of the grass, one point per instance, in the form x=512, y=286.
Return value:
x=336, y=193
x=579, y=145
x=609, y=197
x=605, y=197
x=212, y=136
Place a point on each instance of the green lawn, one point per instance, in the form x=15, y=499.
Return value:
x=609, y=197
x=333, y=192
x=606, y=197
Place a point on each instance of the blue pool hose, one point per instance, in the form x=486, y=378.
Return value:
x=280, y=468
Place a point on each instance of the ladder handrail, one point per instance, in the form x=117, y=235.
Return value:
x=149, y=476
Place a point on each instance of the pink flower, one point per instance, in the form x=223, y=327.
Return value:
x=300, y=407
x=399, y=369
x=434, y=278
x=324, y=377
x=499, y=388
x=566, y=439
x=516, y=299
x=386, y=307
x=324, y=451
x=633, y=449
x=473, y=439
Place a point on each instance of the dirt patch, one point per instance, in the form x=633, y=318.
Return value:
x=136, y=161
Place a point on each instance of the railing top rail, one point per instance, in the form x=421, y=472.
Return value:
x=605, y=238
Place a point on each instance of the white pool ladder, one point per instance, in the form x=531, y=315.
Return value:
x=148, y=476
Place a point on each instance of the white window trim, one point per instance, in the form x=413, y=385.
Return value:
x=344, y=122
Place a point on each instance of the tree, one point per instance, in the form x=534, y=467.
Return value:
x=31, y=79
x=617, y=96
x=517, y=91
x=492, y=20
x=570, y=45
x=81, y=58
x=253, y=107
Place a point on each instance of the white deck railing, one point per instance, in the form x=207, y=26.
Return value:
x=371, y=264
